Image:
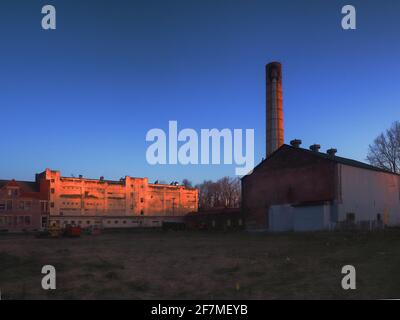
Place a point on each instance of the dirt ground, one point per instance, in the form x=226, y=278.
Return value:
x=200, y=265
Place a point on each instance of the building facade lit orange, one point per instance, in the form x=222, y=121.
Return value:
x=129, y=202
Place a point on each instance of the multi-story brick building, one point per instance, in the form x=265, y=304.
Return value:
x=129, y=202
x=23, y=206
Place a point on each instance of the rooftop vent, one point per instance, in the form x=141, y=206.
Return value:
x=331, y=152
x=295, y=143
x=315, y=147
x=80, y=176
x=101, y=178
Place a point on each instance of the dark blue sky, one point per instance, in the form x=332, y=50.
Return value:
x=81, y=98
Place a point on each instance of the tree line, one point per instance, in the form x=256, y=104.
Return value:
x=223, y=193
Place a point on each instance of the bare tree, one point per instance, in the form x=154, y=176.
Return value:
x=224, y=193
x=384, y=152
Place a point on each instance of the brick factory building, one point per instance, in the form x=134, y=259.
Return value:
x=296, y=189
x=303, y=190
x=129, y=202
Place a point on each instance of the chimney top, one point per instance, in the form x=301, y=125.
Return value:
x=295, y=143
x=315, y=147
x=274, y=70
x=331, y=152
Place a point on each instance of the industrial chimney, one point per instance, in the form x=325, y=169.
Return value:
x=274, y=125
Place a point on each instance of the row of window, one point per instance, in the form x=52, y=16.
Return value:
x=88, y=222
x=228, y=223
x=19, y=221
x=351, y=217
x=94, y=204
x=12, y=192
x=8, y=205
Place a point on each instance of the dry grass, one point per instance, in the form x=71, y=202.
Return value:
x=187, y=265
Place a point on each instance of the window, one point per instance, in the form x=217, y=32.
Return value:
x=52, y=190
x=22, y=205
x=116, y=221
x=141, y=200
x=51, y=204
x=379, y=217
x=21, y=220
x=124, y=222
x=27, y=220
x=2, y=205
x=44, y=222
x=12, y=192
x=44, y=206
x=28, y=205
x=141, y=212
x=350, y=217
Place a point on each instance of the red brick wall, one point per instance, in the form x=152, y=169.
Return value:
x=289, y=176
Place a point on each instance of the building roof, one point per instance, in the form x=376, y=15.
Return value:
x=26, y=186
x=28, y=189
x=322, y=155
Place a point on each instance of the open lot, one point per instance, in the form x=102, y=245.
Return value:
x=196, y=265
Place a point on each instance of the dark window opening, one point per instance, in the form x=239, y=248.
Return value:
x=351, y=217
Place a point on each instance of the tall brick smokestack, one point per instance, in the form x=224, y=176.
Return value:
x=274, y=125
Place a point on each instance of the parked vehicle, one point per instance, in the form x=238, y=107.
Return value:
x=72, y=231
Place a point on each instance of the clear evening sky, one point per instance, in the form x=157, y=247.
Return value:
x=80, y=99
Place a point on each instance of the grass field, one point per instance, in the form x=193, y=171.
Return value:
x=195, y=265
